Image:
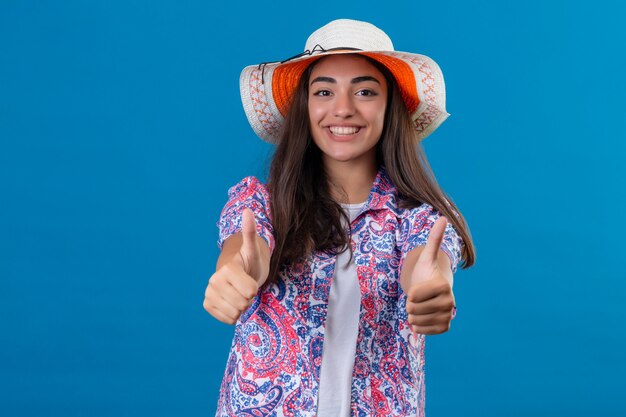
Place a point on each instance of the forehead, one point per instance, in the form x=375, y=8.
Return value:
x=345, y=65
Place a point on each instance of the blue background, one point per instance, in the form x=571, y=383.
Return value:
x=121, y=130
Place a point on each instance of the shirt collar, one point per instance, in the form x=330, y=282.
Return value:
x=383, y=192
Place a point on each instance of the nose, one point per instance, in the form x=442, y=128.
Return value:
x=344, y=106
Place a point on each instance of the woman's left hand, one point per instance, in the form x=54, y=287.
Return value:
x=430, y=301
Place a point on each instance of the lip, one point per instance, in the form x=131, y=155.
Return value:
x=342, y=138
x=343, y=125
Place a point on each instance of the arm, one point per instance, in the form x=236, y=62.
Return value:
x=232, y=246
x=242, y=267
x=427, y=279
x=443, y=262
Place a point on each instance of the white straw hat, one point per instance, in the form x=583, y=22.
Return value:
x=267, y=88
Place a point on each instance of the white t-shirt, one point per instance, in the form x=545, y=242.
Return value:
x=342, y=325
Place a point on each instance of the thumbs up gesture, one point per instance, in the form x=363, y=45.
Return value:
x=242, y=268
x=430, y=301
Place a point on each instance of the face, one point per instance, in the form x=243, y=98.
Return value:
x=347, y=101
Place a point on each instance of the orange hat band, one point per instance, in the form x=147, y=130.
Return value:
x=286, y=77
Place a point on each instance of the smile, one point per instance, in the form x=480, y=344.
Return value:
x=343, y=130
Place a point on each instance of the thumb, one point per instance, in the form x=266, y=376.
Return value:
x=248, y=231
x=430, y=251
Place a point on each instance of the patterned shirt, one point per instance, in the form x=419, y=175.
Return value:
x=273, y=368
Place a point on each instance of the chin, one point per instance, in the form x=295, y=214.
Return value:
x=343, y=158
x=339, y=156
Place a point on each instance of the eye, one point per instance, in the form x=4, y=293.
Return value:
x=322, y=93
x=366, y=93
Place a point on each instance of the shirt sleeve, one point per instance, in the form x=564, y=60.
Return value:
x=416, y=227
x=251, y=193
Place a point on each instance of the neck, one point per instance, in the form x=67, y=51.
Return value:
x=349, y=182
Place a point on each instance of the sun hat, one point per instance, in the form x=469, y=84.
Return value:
x=266, y=88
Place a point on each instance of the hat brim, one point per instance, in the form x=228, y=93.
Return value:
x=266, y=90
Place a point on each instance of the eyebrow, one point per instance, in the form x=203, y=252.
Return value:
x=353, y=81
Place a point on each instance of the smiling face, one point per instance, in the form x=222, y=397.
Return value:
x=346, y=102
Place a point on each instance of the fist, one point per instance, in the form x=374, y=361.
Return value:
x=235, y=283
x=430, y=302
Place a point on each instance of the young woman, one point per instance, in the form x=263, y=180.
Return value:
x=335, y=270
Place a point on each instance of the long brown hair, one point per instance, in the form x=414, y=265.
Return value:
x=304, y=215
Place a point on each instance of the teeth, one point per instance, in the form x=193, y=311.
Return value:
x=344, y=130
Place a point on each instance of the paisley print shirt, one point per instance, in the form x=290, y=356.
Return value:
x=273, y=368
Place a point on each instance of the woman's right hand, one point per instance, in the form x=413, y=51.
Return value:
x=242, y=268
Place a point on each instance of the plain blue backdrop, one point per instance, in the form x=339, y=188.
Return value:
x=121, y=130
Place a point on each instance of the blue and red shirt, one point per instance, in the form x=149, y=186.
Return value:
x=273, y=368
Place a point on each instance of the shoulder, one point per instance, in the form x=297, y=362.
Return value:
x=249, y=186
x=423, y=211
x=416, y=222
x=251, y=192
x=247, y=193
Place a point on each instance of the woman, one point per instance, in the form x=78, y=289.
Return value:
x=335, y=270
